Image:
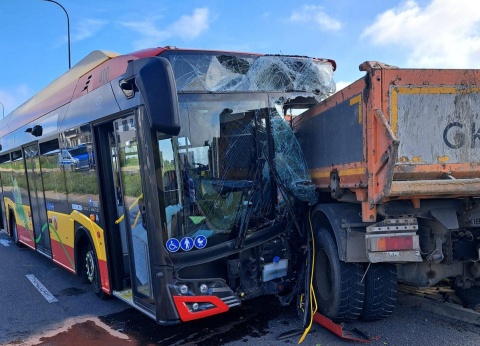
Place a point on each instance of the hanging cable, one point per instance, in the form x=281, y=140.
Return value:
x=313, y=299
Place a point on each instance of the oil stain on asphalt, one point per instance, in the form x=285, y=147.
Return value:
x=129, y=327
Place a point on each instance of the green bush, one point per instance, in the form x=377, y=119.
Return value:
x=132, y=184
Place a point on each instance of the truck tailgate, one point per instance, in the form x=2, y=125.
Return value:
x=438, y=127
x=420, y=136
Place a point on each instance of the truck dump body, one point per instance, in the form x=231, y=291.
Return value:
x=397, y=134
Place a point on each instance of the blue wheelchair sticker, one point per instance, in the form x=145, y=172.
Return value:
x=173, y=245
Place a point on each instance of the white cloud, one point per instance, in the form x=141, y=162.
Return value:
x=150, y=35
x=14, y=97
x=186, y=27
x=442, y=34
x=87, y=28
x=342, y=84
x=310, y=13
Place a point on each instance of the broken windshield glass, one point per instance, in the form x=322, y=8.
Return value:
x=201, y=72
x=236, y=167
x=290, y=163
x=233, y=168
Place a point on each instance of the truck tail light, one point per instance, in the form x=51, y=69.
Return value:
x=395, y=243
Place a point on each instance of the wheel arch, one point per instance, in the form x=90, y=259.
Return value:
x=82, y=239
x=86, y=231
x=337, y=218
x=84, y=244
x=10, y=217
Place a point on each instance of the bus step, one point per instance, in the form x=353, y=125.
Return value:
x=125, y=295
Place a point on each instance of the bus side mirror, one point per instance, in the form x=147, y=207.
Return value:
x=36, y=131
x=156, y=82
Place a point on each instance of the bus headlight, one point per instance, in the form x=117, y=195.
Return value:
x=183, y=289
x=203, y=288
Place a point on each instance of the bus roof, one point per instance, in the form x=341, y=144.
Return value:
x=85, y=65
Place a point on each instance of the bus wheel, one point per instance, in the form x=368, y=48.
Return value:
x=338, y=286
x=14, y=231
x=91, y=271
x=380, y=291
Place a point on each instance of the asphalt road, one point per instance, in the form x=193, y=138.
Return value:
x=24, y=311
x=75, y=316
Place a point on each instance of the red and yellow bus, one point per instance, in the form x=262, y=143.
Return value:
x=166, y=177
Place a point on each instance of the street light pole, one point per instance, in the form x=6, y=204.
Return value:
x=3, y=108
x=68, y=30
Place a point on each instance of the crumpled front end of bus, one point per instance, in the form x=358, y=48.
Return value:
x=239, y=177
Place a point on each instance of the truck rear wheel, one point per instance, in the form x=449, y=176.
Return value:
x=338, y=286
x=380, y=291
x=469, y=296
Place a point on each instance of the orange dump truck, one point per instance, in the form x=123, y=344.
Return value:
x=395, y=159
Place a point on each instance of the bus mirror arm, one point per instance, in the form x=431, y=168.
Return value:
x=156, y=82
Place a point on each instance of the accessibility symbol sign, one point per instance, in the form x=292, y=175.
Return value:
x=200, y=241
x=186, y=244
x=173, y=245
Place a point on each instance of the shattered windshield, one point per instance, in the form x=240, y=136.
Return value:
x=236, y=167
x=227, y=72
x=212, y=169
x=217, y=173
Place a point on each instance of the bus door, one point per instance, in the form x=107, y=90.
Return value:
x=126, y=184
x=37, y=199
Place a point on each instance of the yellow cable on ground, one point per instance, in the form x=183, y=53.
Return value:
x=313, y=300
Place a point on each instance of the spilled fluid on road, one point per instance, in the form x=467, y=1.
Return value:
x=129, y=327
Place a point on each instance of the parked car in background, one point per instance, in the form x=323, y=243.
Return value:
x=75, y=159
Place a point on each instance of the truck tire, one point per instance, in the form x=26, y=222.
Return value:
x=469, y=296
x=338, y=286
x=380, y=291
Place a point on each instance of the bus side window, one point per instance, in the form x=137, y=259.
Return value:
x=53, y=175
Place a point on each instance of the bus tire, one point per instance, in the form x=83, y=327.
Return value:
x=380, y=291
x=338, y=286
x=14, y=231
x=91, y=271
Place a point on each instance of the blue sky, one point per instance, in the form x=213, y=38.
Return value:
x=410, y=33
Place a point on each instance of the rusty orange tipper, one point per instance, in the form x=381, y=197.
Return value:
x=397, y=134
x=395, y=159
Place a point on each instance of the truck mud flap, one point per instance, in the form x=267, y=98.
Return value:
x=338, y=329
